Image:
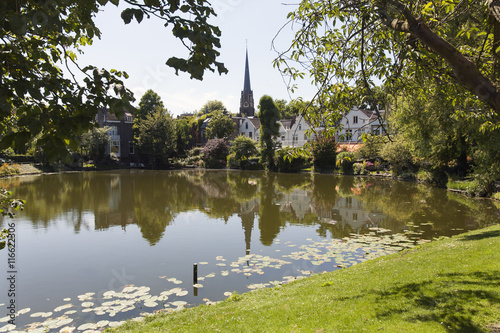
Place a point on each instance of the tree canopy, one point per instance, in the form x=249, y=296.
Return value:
x=41, y=37
x=150, y=101
x=269, y=116
x=348, y=47
x=220, y=126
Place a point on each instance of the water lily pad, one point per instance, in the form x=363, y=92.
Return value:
x=203, y=263
x=150, y=304
x=182, y=293
x=7, y=328
x=23, y=311
x=114, y=324
x=67, y=299
x=87, y=304
x=228, y=293
x=198, y=285
x=63, y=307
x=87, y=326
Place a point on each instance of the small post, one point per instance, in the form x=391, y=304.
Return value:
x=195, y=273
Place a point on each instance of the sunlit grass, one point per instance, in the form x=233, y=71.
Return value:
x=451, y=285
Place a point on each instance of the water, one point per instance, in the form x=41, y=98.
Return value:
x=96, y=233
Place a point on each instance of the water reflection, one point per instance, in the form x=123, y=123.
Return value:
x=337, y=206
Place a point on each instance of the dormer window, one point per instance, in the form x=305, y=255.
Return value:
x=355, y=119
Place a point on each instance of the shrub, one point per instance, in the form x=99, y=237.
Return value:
x=9, y=169
x=242, y=149
x=324, y=153
x=399, y=157
x=215, y=153
x=345, y=161
x=290, y=160
x=360, y=169
x=372, y=147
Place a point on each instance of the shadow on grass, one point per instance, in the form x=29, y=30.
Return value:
x=482, y=235
x=451, y=300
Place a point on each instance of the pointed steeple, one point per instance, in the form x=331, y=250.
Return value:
x=246, y=101
x=246, y=86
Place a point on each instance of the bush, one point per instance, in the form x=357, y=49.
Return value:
x=372, y=147
x=243, y=148
x=9, y=169
x=432, y=176
x=345, y=161
x=324, y=153
x=215, y=153
x=360, y=168
x=399, y=157
x=290, y=160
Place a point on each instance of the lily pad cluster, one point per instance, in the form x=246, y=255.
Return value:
x=305, y=260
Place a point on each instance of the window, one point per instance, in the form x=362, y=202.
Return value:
x=128, y=119
x=300, y=127
x=113, y=131
x=348, y=134
x=246, y=125
x=376, y=131
x=355, y=119
x=250, y=135
x=114, y=146
x=130, y=147
x=282, y=138
x=355, y=216
x=295, y=137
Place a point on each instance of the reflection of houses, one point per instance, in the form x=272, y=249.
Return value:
x=120, y=133
x=296, y=202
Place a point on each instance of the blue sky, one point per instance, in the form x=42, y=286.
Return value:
x=142, y=50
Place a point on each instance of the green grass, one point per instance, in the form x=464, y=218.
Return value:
x=450, y=285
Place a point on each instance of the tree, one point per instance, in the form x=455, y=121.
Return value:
x=211, y=106
x=220, y=126
x=39, y=38
x=182, y=130
x=215, y=153
x=269, y=116
x=155, y=138
x=150, y=101
x=347, y=46
x=95, y=142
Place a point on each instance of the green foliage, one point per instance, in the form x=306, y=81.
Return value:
x=155, y=138
x=269, y=116
x=182, y=130
x=150, y=102
x=290, y=159
x=39, y=38
x=94, y=143
x=211, y=106
x=371, y=147
x=360, y=169
x=242, y=149
x=324, y=153
x=345, y=161
x=221, y=126
x=8, y=204
x=398, y=155
x=215, y=153
x=399, y=43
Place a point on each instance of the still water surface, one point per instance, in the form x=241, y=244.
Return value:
x=110, y=246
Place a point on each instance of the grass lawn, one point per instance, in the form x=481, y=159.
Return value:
x=450, y=285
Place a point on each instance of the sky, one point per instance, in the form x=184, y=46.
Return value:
x=142, y=49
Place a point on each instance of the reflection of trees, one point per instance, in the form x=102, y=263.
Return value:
x=269, y=213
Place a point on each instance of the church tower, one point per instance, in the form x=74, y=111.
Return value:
x=246, y=100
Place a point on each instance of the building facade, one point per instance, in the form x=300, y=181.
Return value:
x=120, y=134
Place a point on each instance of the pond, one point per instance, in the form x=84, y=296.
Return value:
x=96, y=248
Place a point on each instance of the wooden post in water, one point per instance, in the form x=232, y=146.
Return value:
x=195, y=273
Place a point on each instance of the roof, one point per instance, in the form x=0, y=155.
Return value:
x=255, y=122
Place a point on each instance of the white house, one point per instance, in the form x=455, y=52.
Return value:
x=358, y=122
x=249, y=127
x=294, y=132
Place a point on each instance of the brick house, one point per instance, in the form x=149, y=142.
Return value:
x=120, y=133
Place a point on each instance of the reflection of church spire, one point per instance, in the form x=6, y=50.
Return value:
x=247, y=224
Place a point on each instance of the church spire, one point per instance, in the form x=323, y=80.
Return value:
x=246, y=101
x=246, y=86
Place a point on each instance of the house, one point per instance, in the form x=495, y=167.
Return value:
x=120, y=133
x=249, y=127
x=296, y=132
x=358, y=122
